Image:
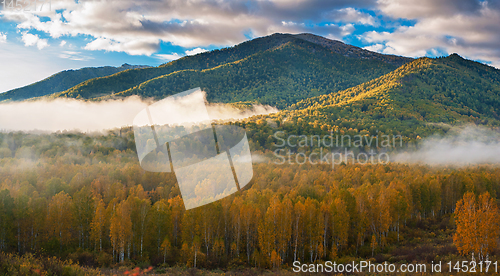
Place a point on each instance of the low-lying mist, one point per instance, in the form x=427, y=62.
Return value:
x=461, y=146
x=76, y=115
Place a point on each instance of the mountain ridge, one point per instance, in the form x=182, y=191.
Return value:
x=126, y=80
x=278, y=76
x=62, y=81
x=346, y=71
x=415, y=99
x=352, y=51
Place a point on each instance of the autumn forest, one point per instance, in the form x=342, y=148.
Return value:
x=85, y=198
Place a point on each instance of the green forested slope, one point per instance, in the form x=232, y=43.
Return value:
x=279, y=77
x=416, y=99
x=252, y=70
x=112, y=84
x=62, y=81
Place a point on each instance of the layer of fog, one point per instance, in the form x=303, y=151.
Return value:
x=76, y=115
x=461, y=146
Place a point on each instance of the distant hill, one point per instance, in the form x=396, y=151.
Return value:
x=416, y=99
x=280, y=70
x=62, y=81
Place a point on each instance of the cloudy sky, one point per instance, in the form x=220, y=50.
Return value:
x=68, y=34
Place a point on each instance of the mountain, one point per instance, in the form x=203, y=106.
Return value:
x=352, y=51
x=279, y=69
x=419, y=98
x=62, y=81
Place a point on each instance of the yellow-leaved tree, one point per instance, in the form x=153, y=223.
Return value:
x=120, y=230
x=477, y=225
x=60, y=218
x=98, y=223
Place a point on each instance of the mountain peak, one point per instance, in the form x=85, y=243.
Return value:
x=459, y=60
x=310, y=36
x=424, y=92
x=455, y=56
x=350, y=51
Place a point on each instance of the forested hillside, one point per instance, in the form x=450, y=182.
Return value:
x=421, y=98
x=277, y=77
x=62, y=81
x=279, y=69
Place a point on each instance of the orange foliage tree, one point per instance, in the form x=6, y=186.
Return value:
x=477, y=225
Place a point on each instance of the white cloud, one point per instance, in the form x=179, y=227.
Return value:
x=31, y=40
x=137, y=28
x=292, y=24
x=3, y=37
x=469, y=27
x=347, y=29
x=375, y=48
x=72, y=114
x=351, y=15
x=195, y=51
x=398, y=43
x=73, y=55
x=130, y=46
x=62, y=43
x=463, y=146
x=411, y=9
x=174, y=56
x=127, y=26
x=69, y=114
x=169, y=57
x=471, y=33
